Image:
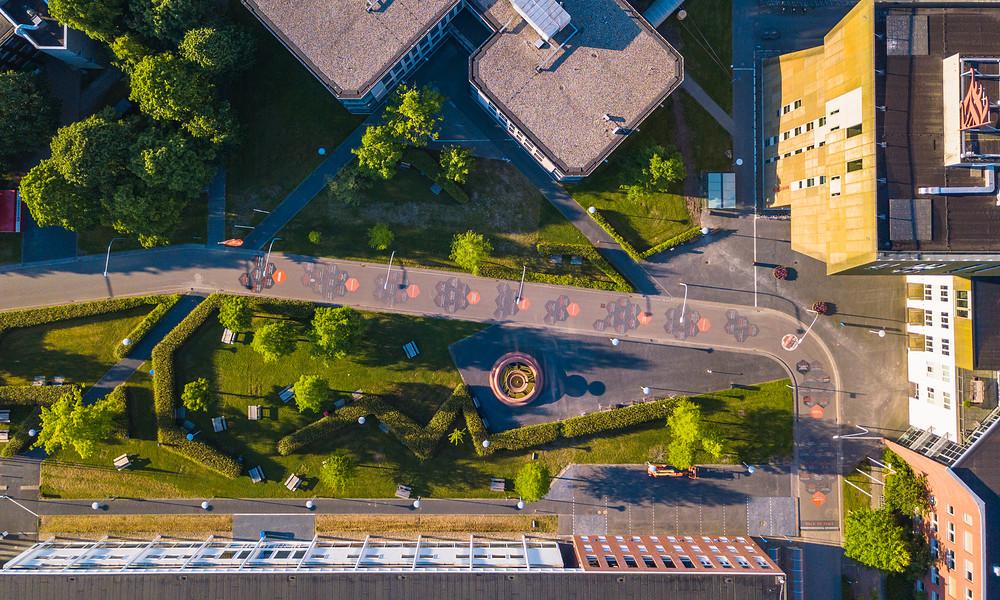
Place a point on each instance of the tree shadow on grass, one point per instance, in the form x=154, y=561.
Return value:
x=767, y=432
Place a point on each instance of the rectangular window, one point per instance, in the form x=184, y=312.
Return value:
x=798, y=151
x=950, y=509
x=822, y=179
x=834, y=111
x=835, y=185
x=798, y=130
x=928, y=292
x=686, y=561
x=946, y=400
x=809, y=126
x=944, y=294
x=810, y=182
x=854, y=165
x=667, y=562
x=946, y=373
x=786, y=135
x=612, y=561
x=809, y=147
x=968, y=570
x=946, y=347
x=930, y=370
x=854, y=130
x=962, y=304
x=649, y=562
x=929, y=319
x=930, y=393
x=968, y=594
x=951, y=532
x=822, y=121
x=944, y=320
x=967, y=518
x=630, y=561
x=592, y=561
x=935, y=578
x=928, y=344
x=798, y=104
x=934, y=522
x=786, y=109
x=967, y=541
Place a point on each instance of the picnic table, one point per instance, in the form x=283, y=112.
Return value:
x=293, y=482
x=188, y=426
x=4, y=435
x=286, y=394
x=4, y=415
x=256, y=474
x=219, y=424
x=254, y=412
x=228, y=336
x=39, y=380
x=122, y=462
x=58, y=380
x=498, y=485
x=403, y=491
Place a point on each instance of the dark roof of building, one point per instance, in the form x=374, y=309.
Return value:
x=986, y=323
x=616, y=64
x=50, y=32
x=979, y=468
x=347, y=46
x=914, y=127
x=396, y=586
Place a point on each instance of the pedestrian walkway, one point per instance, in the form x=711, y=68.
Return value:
x=690, y=86
x=307, y=190
x=217, y=207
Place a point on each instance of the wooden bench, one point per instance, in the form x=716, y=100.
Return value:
x=475, y=401
x=498, y=485
x=5, y=415
x=286, y=394
x=228, y=336
x=39, y=380
x=219, y=424
x=179, y=413
x=59, y=380
x=411, y=350
x=293, y=482
x=254, y=412
x=122, y=462
x=256, y=475
x=340, y=404
x=357, y=394
x=188, y=427
x=403, y=491
x=4, y=435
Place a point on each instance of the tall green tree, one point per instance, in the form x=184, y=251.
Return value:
x=54, y=201
x=148, y=215
x=311, y=391
x=173, y=161
x=68, y=422
x=217, y=125
x=348, y=185
x=167, y=87
x=197, y=394
x=336, y=331
x=168, y=20
x=905, y=491
x=129, y=50
x=877, y=538
x=380, y=237
x=274, y=340
x=456, y=163
x=220, y=51
x=469, y=250
x=688, y=431
x=235, y=313
x=100, y=19
x=532, y=481
x=414, y=114
x=339, y=470
x=95, y=153
x=651, y=169
x=379, y=152
x=28, y=116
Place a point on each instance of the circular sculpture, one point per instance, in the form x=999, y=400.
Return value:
x=516, y=379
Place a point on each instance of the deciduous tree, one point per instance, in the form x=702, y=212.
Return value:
x=147, y=214
x=335, y=331
x=348, y=185
x=28, y=115
x=100, y=19
x=456, y=163
x=54, y=201
x=877, y=538
x=688, y=432
x=168, y=20
x=414, y=114
x=905, y=491
x=235, y=313
x=532, y=481
x=469, y=250
x=197, y=394
x=311, y=391
x=167, y=87
x=95, y=153
x=220, y=51
x=379, y=153
x=69, y=423
x=339, y=470
x=380, y=237
x=173, y=161
x=275, y=340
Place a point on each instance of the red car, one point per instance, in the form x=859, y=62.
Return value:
x=669, y=471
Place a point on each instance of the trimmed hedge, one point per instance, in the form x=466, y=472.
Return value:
x=31, y=395
x=312, y=432
x=626, y=246
x=525, y=437
x=425, y=163
x=51, y=314
x=618, y=418
x=165, y=395
x=591, y=254
x=119, y=404
x=677, y=240
x=498, y=272
x=19, y=440
x=151, y=319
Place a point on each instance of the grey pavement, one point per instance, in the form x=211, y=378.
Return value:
x=690, y=86
x=274, y=526
x=217, y=207
x=583, y=374
x=413, y=291
x=307, y=190
x=45, y=243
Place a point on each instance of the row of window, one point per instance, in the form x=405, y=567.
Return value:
x=705, y=561
x=795, y=131
x=784, y=110
x=807, y=183
x=945, y=372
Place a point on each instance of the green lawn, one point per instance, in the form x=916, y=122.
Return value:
x=82, y=350
x=853, y=499
x=285, y=115
x=10, y=248
x=513, y=215
x=191, y=229
x=706, y=42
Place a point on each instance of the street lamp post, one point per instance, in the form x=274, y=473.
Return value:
x=524, y=271
x=108, y=259
x=267, y=260
x=386, y=285
x=879, y=332
x=645, y=389
x=19, y=504
x=857, y=435
x=684, y=305
x=808, y=329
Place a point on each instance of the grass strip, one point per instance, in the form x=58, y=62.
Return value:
x=436, y=523
x=121, y=525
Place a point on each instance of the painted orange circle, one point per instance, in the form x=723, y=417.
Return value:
x=524, y=304
x=474, y=297
x=819, y=498
x=645, y=318
x=279, y=277
x=573, y=309
x=704, y=324
x=413, y=291
x=816, y=411
x=351, y=284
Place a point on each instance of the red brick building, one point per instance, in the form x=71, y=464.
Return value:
x=964, y=508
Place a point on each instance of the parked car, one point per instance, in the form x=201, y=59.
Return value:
x=670, y=471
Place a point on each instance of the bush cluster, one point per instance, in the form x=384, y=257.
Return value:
x=677, y=240
x=525, y=437
x=626, y=246
x=499, y=272
x=616, y=419
x=174, y=440
x=19, y=440
x=40, y=316
x=591, y=254
x=30, y=395
x=119, y=402
x=426, y=164
x=147, y=323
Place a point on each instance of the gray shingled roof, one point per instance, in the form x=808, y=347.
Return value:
x=345, y=44
x=617, y=64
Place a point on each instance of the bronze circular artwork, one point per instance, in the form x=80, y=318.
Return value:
x=516, y=379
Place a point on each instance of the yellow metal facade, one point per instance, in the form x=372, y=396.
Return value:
x=809, y=142
x=963, y=325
